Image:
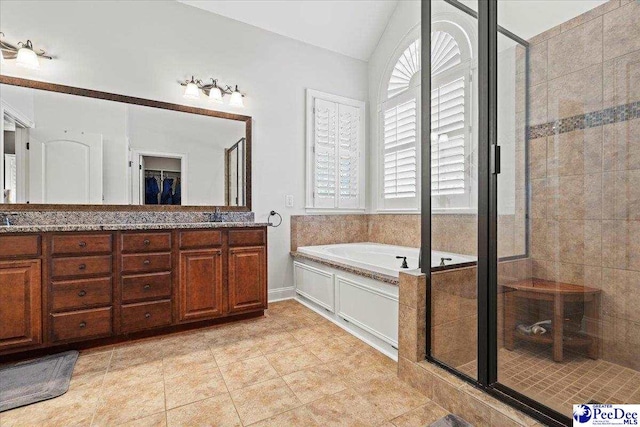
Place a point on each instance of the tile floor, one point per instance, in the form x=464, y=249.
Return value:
x=530, y=370
x=289, y=368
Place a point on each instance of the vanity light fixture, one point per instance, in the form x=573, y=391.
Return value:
x=23, y=53
x=236, y=98
x=192, y=91
x=214, y=92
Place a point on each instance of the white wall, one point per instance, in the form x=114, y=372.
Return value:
x=143, y=48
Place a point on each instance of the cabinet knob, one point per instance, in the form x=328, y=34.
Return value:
x=146, y=242
x=147, y=315
x=82, y=244
x=146, y=262
x=82, y=325
x=146, y=287
x=82, y=293
x=82, y=266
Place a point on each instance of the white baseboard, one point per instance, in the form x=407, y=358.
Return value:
x=280, y=294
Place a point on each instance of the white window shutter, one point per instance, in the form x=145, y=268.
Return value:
x=325, y=149
x=448, y=138
x=348, y=156
x=400, y=151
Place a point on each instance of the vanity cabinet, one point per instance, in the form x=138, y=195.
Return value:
x=79, y=286
x=95, y=287
x=247, y=270
x=20, y=309
x=247, y=278
x=146, y=280
x=201, y=285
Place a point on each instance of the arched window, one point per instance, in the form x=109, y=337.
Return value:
x=450, y=141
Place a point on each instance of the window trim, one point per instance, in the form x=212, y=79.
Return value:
x=311, y=96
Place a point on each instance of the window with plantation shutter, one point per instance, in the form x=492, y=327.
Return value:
x=448, y=138
x=335, y=152
x=348, y=156
x=325, y=153
x=400, y=174
x=451, y=143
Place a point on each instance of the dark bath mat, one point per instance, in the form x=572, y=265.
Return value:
x=451, y=421
x=36, y=380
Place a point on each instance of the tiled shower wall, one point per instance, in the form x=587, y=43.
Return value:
x=585, y=164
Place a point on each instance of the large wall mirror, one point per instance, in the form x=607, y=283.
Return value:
x=69, y=146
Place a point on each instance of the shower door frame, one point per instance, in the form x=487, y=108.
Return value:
x=488, y=170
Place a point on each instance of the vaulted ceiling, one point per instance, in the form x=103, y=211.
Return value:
x=349, y=27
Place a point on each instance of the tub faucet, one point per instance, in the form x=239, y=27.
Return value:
x=404, y=261
x=442, y=260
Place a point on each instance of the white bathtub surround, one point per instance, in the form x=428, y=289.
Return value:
x=366, y=308
x=356, y=286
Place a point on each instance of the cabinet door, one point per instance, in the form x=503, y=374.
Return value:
x=20, y=304
x=247, y=278
x=200, y=284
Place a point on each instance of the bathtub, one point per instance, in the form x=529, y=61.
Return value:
x=380, y=258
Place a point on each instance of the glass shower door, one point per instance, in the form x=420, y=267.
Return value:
x=568, y=323
x=454, y=186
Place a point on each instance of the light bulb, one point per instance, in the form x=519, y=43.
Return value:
x=215, y=94
x=192, y=91
x=236, y=98
x=27, y=58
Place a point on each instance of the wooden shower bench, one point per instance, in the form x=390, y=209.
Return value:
x=557, y=293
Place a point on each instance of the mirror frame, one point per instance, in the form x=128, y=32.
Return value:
x=89, y=93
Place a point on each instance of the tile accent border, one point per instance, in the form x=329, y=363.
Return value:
x=620, y=113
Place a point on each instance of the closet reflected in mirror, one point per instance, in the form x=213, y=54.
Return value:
x=60, y=148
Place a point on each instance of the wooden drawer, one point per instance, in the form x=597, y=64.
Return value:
x=147, y=315
x=80, y=244
x=78, y=294
x=247, y=237
x=200, y=239
x=146, y=242
x=81, y=324
x=81, y=266
x=19, y=246
x=142, y=263
x=146, y=287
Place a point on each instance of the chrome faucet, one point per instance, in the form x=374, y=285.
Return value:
x=7, y=219
x=215, y=216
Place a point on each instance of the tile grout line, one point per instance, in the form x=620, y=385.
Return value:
x=99, y=399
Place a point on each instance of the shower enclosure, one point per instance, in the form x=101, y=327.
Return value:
x=532, y=165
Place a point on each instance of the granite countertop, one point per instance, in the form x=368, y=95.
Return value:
x=113, y=227
x=349, y=268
